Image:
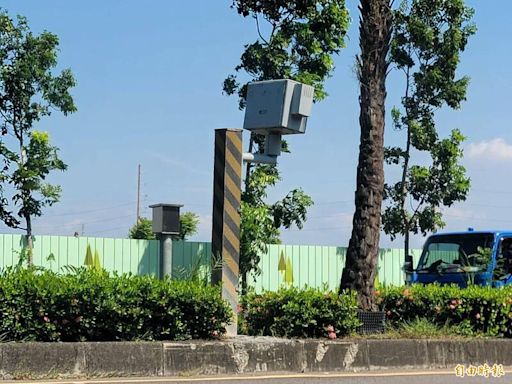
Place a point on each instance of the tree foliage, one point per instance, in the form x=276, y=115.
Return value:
x=29, y=91
x=189, y=222
x=261, y=221
x=303, y=37
x=143, y=229
x=38, y=159
x=297, y=41
x=429, y=36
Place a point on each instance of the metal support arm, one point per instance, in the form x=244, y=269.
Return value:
x=259, y=158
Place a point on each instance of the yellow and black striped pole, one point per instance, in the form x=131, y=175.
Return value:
x=227, y=174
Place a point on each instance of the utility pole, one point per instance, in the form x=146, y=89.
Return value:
x=138, y=196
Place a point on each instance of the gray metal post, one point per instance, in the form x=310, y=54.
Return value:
x=165, y=255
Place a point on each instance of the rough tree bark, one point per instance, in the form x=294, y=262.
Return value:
x=375, y=26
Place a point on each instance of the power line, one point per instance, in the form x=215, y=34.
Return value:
x=108, y=230
x=71, y=225
x=477, y=218
x=90, y=210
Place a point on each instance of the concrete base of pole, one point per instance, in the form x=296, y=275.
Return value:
x=232, y=329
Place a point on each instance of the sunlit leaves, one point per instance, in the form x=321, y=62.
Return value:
x=428, y=38
x=29, y=91
x=261, y=221
x=303, y=38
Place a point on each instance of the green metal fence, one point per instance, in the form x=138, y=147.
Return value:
x=282, y=265
x=54, y=252
x=299, y=265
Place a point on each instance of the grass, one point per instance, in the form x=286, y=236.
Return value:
x=424, y=329
x=421, y=328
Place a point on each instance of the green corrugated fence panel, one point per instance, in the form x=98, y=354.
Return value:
x=178, y=255
x=190, y=258
x=107, y=255
x=321, y=266
x=313, y=266
x=178, y=249
x=121, y=255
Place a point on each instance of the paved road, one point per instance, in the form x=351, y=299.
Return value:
x=434, y=377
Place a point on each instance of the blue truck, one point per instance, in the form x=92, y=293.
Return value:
x=464, y=258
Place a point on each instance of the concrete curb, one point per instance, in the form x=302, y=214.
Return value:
x=243, y=355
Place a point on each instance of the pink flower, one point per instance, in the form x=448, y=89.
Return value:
x=332, y=335
x=477, y=316
x=46, y=319
x=451, y=306
x=215, y=333
x=330, y=328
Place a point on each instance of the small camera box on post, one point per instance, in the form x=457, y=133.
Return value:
x=166, y=218
x=278, y=106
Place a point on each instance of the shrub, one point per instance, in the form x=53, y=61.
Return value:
x=473, y=310
x=292, y=312
x=91, y=305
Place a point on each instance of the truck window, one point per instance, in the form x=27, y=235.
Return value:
x=453, y=253
x=504, y=260
x=447, y=252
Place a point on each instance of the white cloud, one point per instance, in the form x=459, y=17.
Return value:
x=495, y=149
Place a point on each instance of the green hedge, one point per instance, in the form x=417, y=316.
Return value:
x=298, y=313
x=474, y=310
x=88, y=305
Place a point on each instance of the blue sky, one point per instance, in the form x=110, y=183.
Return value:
x=149, y=92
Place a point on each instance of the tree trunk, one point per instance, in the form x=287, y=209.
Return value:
x=360, y=267
x=30, y=244
x=405, y=170
x=406, y=241
x=244, y=284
